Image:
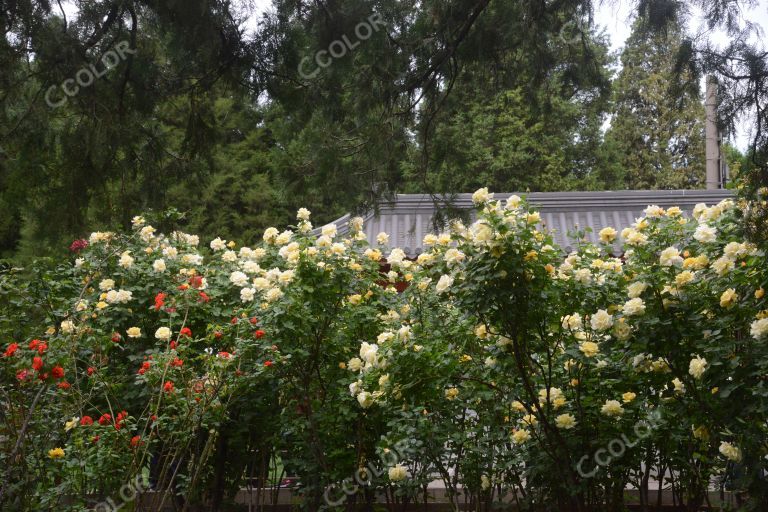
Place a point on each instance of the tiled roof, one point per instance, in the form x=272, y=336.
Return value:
x=411, y=216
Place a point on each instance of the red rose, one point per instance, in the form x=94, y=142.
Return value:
x=173, y=345
x=144, y=367
x=57, y=372
x=33, y=344
x=204, y=297
x=259, y=333
x=63, y=385
x=153, y=417
x=186, y=332
x=268, y=363
x=168, y=386
x=234, y=320
x=135, y=441
x=90, y=370
x=116, y=337
x=37, y=363
x=22, y=375
x=183, y=287
x=218, y=335
x=254, y=320
x=41, y=348
x=160, y=300
x=196, y=281
x=177, y=362
x=224, y=355
x=105, y=419
x=85, y=421
x=12, y=348
x=122, y=415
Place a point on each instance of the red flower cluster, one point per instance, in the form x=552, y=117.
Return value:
x=196, y=281
x=12, y=348
x=204, y=297
x=160, y=300
x=105, y=419
x=177, y=362
x=135, y=441
x=168, y=386
x=78, y=245
x=259, y=334
x=185, y=332
x=37, y=363
x=268, y=363
x=144, y=367
x=120, y=420
x=57, y=372
x=38, y=345
x=85, y=421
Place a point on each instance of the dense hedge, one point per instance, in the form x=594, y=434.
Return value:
x=505, y=368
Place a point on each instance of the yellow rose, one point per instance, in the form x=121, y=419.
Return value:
x=56, y=453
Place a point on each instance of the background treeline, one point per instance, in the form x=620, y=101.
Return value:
x=213, y=118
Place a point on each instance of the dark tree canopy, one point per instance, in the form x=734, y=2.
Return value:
x=239, y=128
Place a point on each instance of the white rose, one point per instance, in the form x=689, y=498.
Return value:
x=443, y=283
x=273, y=294
x=247, y=294
x=126, y=261
x=397, y=473
x=368, y=352
x=697, y=367
x=106, y=285
x=730, y=452
x=355, y=364
x=634, y=307
x=453, y=256
x=601, y=320
x=163, y=333
x=159, y=265
x=261, y=283
x=572, y=322
x=670, y=257
x=365, y=399
x=396, y=256
x=481, y=196
x=759, y=328
x=329, y=230
x=705, y=234
x=238, y=278
x=513, y=202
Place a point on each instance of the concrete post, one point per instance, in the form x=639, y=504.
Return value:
x=711, y=134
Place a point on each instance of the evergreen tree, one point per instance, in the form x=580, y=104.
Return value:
x=657, y=127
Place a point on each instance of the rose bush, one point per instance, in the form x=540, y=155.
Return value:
x=503, y=367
